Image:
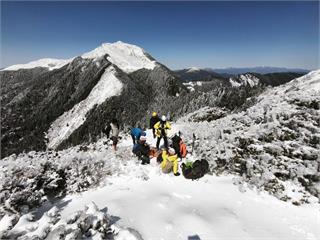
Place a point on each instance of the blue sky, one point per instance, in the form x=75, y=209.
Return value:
x=178, y=34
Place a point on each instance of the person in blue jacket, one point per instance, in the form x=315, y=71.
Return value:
x=136, y=133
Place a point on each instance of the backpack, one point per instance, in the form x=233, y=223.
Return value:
x=176, y=144
x=183, y=150
x=195, y=171
x=159, y=158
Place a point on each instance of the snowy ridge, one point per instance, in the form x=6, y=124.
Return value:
x=244, y=80
x=309, y=82
x=273, y=145
x=109, y=85
x=127, y=57
x=49, y=63
x=193, y=69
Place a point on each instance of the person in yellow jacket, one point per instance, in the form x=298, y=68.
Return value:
x=170, y=162
x=162, y=128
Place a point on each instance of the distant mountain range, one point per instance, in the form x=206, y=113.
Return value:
x=208, y=75
x=190, y=73
x=261, y=70
x=195, y=74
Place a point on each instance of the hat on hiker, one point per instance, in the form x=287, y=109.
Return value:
x=154, y=114
x=163, y=118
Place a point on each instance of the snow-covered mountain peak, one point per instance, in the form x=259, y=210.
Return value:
x=126, y=56
x=193, y=69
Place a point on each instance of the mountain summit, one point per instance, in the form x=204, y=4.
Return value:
x=126, y=56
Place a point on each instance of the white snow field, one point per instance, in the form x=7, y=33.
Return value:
x=109, y=85
x=144, y=203
x=166, y=207
x=127, y=57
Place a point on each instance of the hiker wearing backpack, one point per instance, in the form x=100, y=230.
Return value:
x=170, y=162
x=153, y=120
x=179, y=146
x=136, y=133
x=162, y=128
x=114, y=128
x=142, y=150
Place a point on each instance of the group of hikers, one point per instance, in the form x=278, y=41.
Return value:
x=167, y=155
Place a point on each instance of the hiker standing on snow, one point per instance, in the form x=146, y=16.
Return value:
x=136, y=133
x=162, y=128
x=170, y=162
x=179, y=146
x=153, y=120
x=114, y=128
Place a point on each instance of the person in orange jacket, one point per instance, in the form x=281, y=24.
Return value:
x=179, y=146
x=170, y=162
x=183, y=149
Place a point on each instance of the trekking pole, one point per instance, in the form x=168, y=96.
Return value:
x=193, y=143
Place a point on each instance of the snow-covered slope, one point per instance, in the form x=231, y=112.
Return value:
x=309, y=82
x=274, y=145
x=127, y=57
x=205, y=209
x=244, y=80
x=49, y=63
x=109, y=85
